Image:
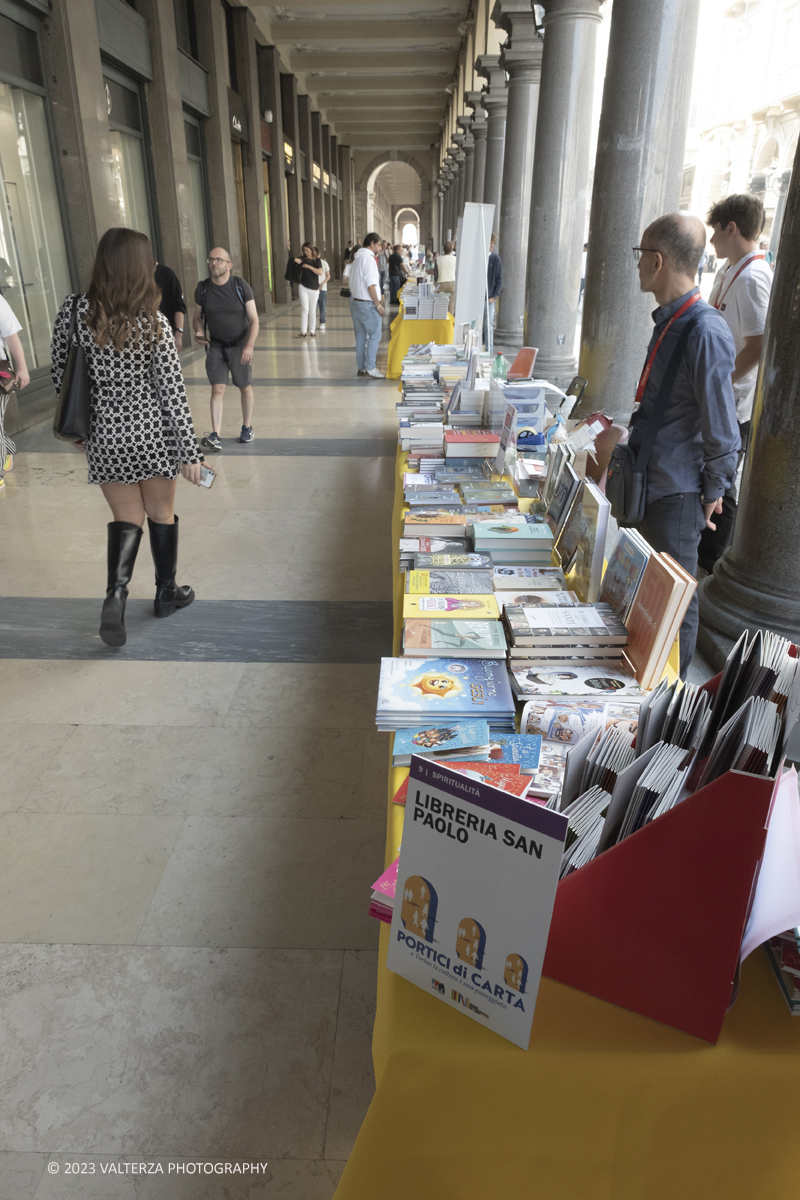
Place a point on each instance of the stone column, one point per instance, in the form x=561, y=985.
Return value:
x=294, y=184
x=780, y=207
x=452, y=192
x=473, y=99
x=453, y=198
x=431, y=240
x=444, y=176
x=316, y=192
x=327, y=200
x=348, y=186
x=522, y=59
x=560, y=187
x=304, y=146
x=279, y=216
x=756, y=583
x=465, y=123
x=637, y=177
x=335, y=248
x=495, y=105
x=461, y=177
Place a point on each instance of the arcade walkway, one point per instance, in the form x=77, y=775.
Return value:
x=189, y=826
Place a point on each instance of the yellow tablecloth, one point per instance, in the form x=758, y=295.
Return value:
x=408, y=333
x=605, y=1104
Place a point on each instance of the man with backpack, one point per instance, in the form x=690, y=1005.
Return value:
x=226, y=323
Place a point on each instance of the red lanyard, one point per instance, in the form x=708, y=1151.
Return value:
x=746, y=263
x=649, y=364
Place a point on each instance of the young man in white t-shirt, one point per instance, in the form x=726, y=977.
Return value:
x=10, y=347
x=741, y=294
x=323, y=292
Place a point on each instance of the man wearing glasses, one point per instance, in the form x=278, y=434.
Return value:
x=694, y=456
x=226, y=322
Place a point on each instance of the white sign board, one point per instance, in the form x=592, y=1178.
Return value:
x=475, y=889
x=472, y=260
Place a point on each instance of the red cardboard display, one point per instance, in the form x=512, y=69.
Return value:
x=656, y=922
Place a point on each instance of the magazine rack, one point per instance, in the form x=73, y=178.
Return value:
x=655, y=924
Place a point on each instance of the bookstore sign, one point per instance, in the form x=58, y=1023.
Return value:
x=476, y=884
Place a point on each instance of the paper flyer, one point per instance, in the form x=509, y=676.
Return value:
x=476, y=883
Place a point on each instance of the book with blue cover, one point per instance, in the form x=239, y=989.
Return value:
x=524, y=749
x=461, y=740
x=413, y=691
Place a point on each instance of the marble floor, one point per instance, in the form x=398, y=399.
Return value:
x=189, y=826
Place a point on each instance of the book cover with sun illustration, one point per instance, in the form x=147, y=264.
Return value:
x=412, y=690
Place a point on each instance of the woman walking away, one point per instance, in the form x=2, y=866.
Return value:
x=140, y=429
x=308, y=287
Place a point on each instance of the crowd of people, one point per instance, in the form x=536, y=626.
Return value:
x=130, y=326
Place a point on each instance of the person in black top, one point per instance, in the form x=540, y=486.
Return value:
x=397, y=274
x=308, y=286
x=172, y=304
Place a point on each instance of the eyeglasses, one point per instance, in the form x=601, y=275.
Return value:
x=638, y=251
x=219, y=260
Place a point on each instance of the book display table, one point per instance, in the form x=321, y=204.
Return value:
x=409, y=333
x=605, y=1104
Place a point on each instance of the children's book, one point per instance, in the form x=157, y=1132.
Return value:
x=459, y=607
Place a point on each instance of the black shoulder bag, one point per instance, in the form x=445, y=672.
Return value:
x=71, y=420
x=626, y=482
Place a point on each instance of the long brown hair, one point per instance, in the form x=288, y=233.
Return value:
x=123, y=294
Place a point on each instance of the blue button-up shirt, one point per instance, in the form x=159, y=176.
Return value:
x=697, y=445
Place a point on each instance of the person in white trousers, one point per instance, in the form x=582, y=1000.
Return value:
x=308, y=287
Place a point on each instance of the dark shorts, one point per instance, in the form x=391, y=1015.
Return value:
x=223, y=359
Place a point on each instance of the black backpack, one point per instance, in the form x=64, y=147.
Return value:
x=238, y=285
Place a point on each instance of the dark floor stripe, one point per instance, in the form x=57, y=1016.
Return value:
x=302, y=631
x=312, y=447
x=302, y=381
x=298, y=348
x=40, y=440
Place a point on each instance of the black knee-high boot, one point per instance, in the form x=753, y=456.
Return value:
x=164, y=545
x=123, y=546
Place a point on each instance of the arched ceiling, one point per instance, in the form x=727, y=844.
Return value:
x=400, y=183
x=378, y=69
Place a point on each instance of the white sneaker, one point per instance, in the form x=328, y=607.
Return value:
x=322, y=328
x=376, y=374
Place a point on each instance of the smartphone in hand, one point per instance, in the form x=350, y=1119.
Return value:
x=207, y=476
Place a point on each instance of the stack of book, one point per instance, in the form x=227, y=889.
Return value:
x=470, y=443
x=487, y=492
x=416, y=690
x=514, y=541
x=433, y=308
x=420, y=437
x=464, y=741
x=411, y=546
x=560, y=638
x=443, y=495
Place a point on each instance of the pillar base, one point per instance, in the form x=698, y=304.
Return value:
x=510, y=338
x=731, y=602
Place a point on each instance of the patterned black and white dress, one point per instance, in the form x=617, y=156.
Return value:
x=140, y=425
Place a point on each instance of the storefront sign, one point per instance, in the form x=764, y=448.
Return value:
x=238, y=117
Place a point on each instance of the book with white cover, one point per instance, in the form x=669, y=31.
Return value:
x=475, y=889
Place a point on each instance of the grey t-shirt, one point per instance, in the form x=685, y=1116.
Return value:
x=226, y=318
